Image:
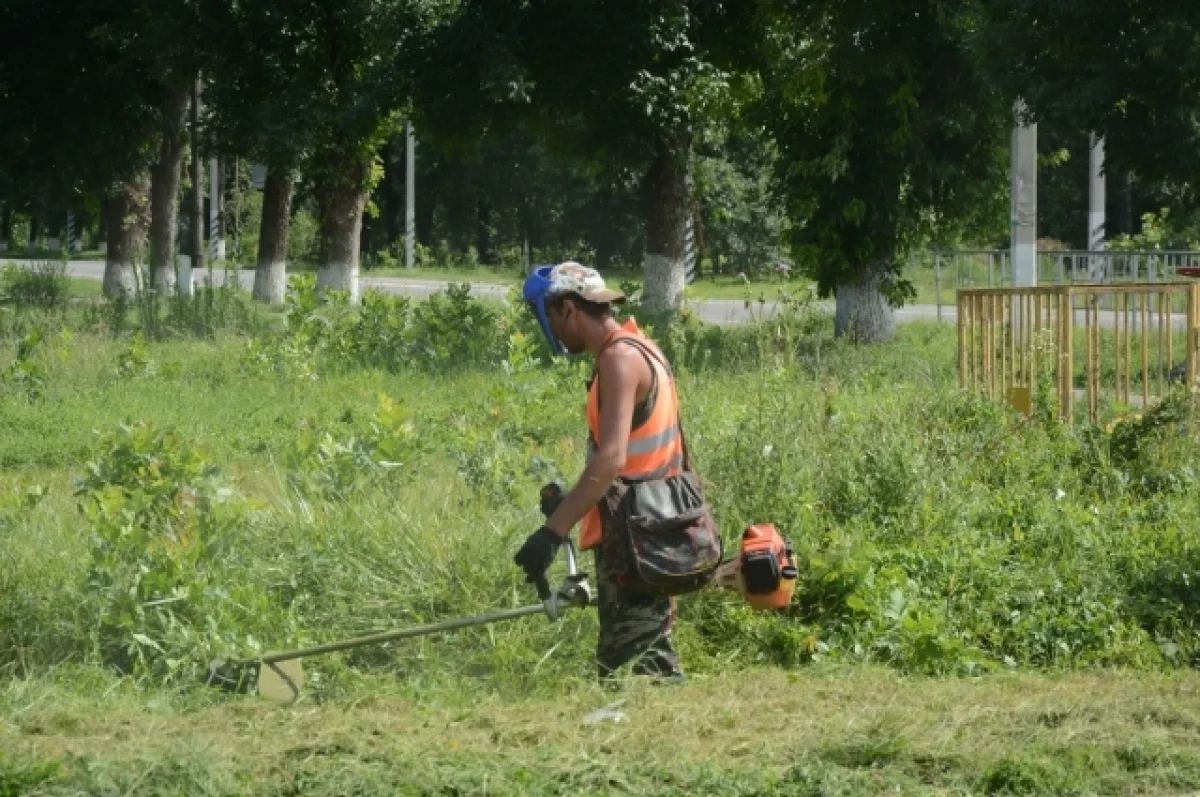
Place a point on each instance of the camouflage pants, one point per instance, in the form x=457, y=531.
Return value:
x=633, y=628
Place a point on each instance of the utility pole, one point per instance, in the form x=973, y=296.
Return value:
x=410, y=197
x=1024, y=201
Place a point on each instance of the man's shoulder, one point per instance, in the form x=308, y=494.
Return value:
x=632, y=348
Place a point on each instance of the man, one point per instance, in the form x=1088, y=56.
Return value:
x=633, y=423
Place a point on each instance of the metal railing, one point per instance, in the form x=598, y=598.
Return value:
x=1103, y=344
x=942, y=272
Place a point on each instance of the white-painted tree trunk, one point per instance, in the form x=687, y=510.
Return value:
x=127, y=216
x=164, y=189
x=341, y=203
x=862, y=313
x=666, y=222
x=663, y=282
x=270, y=276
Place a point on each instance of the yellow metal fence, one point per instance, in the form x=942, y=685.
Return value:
x=1122, y=344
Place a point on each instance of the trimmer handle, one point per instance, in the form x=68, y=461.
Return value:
x=575, y=589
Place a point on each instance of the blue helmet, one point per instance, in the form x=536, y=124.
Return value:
x=537, y=290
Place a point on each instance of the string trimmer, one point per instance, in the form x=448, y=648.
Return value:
x=764, y=572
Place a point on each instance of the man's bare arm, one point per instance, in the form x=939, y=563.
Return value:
x=618, y=374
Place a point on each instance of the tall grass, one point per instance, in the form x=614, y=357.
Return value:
x=376, y=467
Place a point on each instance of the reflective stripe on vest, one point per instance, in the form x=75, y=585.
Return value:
x=655, y=449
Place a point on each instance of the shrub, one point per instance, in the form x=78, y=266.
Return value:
x=160, y=514
x=43, y=286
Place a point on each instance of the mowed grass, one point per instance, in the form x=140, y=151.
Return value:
x=940, y=519
x=826, y=731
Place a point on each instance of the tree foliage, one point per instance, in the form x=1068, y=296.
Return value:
x=1125, y=69
x=888, y=131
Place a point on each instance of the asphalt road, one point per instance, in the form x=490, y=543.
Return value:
x=714, y=311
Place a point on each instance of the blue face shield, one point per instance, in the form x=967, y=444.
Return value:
x=537, y=289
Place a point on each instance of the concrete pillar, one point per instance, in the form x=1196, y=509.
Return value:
x=1024, y=201
x=410, y=197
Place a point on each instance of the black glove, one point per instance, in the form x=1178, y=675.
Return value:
x=550, y=498
x=537, y=554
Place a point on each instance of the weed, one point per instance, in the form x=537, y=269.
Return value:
x=26, y=375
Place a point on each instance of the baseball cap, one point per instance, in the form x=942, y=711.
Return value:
x=572, y=277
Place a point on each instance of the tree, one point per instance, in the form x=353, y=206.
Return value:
x=743, y=223
x=163, y=35
x=347, y=59
x=506, y=190
x=83, y=63
x=255, y=102
x=1126, y=70
x=888, y=132
x=638, y=86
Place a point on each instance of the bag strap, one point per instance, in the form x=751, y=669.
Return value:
x=647, y=353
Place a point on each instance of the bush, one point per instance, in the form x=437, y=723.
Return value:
x=450, y=331
x=160, y=515
x=43, y=286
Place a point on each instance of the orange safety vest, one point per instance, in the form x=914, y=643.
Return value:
x=655, y=449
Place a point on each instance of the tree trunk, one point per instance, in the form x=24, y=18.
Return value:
x=35, y=231
x=666, y=208
x=270, y=277
x=164, y=189
x=483, y=232
x=341, y=200
x=392, y=189
x=423, y=219
x=196, y=228
x=127, y=216
x=6, y=228
x=862, y=313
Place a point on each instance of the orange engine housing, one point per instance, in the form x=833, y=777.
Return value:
x=765, y=570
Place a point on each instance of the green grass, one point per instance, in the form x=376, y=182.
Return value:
x=80, y=288
x=989, y=604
